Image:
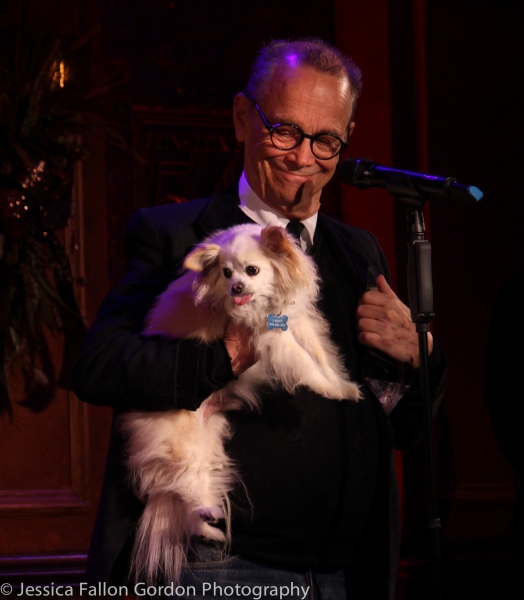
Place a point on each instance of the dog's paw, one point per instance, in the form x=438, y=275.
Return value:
x=344, y=390
x=210, y=514
x=352, y=391
x=209, y=532
x=204, y=526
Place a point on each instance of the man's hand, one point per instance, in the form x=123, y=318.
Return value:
x=384, y=323
x=238, y=345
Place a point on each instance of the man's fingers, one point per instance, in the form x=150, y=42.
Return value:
x=384, y=323
x=376, y=298
x=383, y=286
x=238, y=345
x=373, y=311
x=373, y=325
x=368, y=338
x=379, y=297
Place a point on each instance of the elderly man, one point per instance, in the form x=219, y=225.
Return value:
x=319, y=510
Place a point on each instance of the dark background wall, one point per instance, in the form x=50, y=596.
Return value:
x=441, y=94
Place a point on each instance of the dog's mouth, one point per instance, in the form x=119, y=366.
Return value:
x=240, y=300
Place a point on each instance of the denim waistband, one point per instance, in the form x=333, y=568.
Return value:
x=206, y=551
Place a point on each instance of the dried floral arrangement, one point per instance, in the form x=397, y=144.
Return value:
x=45, y=110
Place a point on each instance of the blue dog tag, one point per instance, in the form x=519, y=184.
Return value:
x=277, y=322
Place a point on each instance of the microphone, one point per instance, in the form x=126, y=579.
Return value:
x=363, y=173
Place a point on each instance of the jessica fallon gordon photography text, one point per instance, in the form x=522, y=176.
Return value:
x=212, y=590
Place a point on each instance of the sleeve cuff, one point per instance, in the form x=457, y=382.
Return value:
x=201, y=369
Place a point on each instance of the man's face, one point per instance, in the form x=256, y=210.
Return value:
x=291, y=181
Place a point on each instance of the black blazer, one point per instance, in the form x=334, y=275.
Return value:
x=118, y=367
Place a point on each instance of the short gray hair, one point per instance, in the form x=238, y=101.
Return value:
x=311, y=52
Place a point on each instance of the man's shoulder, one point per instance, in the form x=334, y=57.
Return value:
x=167, y=215
x=349, y=234
x=178, y=216
x=360, y=246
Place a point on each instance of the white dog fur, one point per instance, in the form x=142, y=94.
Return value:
x=176, y=458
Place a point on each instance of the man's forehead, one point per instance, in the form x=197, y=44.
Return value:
x=290, y=71
x=293, y=84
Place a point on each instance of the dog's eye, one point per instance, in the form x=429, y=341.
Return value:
x=251, y=271
x=228, y=273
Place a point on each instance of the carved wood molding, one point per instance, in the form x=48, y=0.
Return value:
x=43, y=569
x=38, y=502
x=56, y=501
x=190, y=153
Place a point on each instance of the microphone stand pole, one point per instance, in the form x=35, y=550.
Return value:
x=420, y=292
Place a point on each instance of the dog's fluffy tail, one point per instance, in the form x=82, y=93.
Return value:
x=162, y=540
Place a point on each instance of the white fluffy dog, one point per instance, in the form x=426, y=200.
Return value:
x=256, y=277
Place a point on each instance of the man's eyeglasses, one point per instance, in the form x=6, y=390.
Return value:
x=286, y=136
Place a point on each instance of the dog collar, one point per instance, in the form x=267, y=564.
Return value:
x=277, y=322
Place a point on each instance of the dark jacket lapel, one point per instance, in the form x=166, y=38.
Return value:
x=352, y=263
x=223, y=211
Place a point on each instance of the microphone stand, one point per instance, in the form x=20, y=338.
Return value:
x=413, y=189
x=420, y=293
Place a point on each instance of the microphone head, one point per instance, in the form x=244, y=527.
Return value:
x=354, y=171
x=465, y=193
x=475, y=193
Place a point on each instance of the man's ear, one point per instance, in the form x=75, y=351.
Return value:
x=241, y=116
x=351, y=128
x=202, y=257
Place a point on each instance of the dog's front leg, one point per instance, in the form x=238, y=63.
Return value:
x=313, y=336
x=293, y=366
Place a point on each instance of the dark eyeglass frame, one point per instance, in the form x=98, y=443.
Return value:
x=312, y=138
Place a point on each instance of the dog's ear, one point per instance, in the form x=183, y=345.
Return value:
x=295, y=270
x=202, y=257
x=274, y=238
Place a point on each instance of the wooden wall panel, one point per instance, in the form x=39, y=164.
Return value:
x=52, y=461
x=48, y=467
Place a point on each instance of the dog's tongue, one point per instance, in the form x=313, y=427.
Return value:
x=239, y=300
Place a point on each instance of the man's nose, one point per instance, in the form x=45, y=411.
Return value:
x=238, y=288
x=302, y=155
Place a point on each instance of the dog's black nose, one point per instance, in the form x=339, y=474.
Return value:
x=238, y=288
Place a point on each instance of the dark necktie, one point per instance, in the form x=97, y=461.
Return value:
x=295, y=229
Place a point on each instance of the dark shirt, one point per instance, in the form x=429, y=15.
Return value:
x=308, y=464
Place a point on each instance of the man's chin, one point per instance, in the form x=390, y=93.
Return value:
x=299, y=200
x=285, y=205
x=286, y=192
